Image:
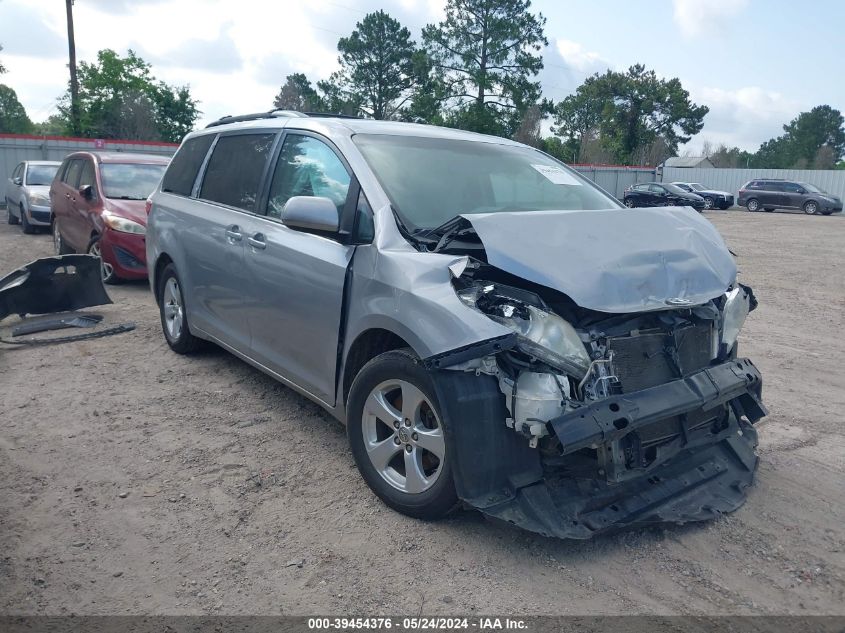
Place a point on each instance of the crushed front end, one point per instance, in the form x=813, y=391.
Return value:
x=581, y=422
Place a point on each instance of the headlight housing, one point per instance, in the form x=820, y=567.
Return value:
x=543, y=335
x=737, y=307
x=123, y=225
x=39, y=200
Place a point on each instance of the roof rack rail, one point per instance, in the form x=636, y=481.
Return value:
x=330, y=115
x=272, y=114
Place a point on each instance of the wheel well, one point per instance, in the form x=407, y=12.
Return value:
x=367, y=346
x=163, y=260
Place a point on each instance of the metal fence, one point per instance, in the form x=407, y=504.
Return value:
x=15, y=148
x=731, y=180
x=615, y=178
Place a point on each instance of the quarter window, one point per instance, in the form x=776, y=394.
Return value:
x=235, y=169
x=183, y=170
x=307, y=167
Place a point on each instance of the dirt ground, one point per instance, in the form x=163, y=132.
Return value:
x=133, y=480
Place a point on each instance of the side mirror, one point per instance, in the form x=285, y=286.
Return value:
x=17, y=180
x=311, y=213
x=87, y=192
x=802, y=190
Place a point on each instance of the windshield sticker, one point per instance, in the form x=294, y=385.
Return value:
x=557, y=175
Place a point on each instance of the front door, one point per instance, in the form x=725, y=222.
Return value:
x=298, y=277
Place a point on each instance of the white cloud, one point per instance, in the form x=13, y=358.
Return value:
x=744, y=117
x=698, y=18
x=579, y=58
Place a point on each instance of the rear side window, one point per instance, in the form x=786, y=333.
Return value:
x=235, y=169
x=184, y=167
x=792, y=187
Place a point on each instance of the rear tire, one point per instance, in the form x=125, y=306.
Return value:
x=395, y=424
x=59, y=244
x=174, y=316
x=630, y=203
x=753, y=205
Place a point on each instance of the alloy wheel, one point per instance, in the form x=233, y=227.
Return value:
x=106, y=269
x=629, y=203
x=810, y=208
x=753, y=205
x=708, y=203
x=174, y=315
x=403, y=436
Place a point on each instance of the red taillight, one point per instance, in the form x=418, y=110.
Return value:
x=148, y=206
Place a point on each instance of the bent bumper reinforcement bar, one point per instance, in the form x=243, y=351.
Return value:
x=614, y=417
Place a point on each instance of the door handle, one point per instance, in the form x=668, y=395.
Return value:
x=234, y=233
x=257, y=241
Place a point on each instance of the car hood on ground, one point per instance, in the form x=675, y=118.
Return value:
x=135, y=210
x=614, y=260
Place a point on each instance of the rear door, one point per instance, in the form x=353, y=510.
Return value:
x=13, y=190
x=215, y=232
x=298, y=277
x=657, y=195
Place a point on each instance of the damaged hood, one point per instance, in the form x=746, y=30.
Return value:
x=615, y=260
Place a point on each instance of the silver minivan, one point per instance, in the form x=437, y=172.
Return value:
x=493, y=329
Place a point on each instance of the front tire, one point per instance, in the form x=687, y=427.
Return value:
x=106, y=269
x=708, y=203
x=174, y=316
x=25, y=225
x=811, y=207
x=11, y=219
x=397, y=436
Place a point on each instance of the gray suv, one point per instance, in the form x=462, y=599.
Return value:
x=493, y=329
x=28, y=194
x=771, y=194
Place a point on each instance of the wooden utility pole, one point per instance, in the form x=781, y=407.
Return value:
x=74, y=84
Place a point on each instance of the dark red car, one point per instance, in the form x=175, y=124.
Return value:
x=98, y=202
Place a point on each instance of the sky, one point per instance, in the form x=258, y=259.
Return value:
x=755, y=63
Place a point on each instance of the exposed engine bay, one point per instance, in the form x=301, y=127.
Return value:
x=610, y=399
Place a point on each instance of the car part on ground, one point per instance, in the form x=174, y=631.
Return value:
x=111, y=331
x=67, y=320
x=53, y=284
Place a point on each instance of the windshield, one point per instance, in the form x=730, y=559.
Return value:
x=430, y=180
x=130, y=181
x=697, y=187
x=40, y=174
x=811, y=188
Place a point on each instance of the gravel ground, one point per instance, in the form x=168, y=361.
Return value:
x=133, y=480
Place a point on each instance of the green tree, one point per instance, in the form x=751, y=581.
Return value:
x=2, y=67
x=377, y=65
x=13, y=117
x=814, y=139
x=488, y=53
x=298, y=94
x=54, y=125
x=120, y=98
x=637, y=114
